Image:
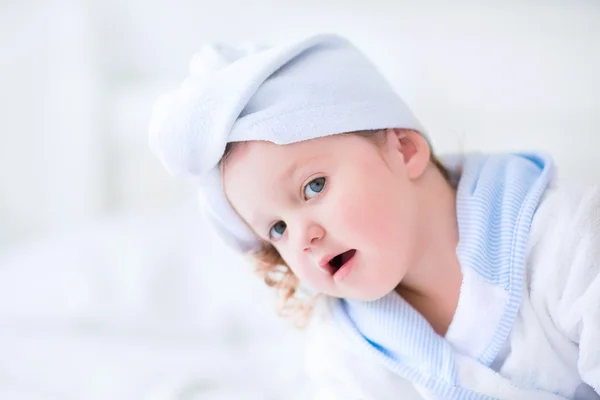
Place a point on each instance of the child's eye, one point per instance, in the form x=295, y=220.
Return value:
x=277, y=230
x=315, y=186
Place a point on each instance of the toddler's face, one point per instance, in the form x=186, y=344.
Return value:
x=342, y=212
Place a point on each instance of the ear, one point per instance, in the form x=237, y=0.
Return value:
x=413, y=147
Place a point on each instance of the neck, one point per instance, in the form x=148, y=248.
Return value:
x=432, y=285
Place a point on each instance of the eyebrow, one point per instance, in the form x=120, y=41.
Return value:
x=293, y=169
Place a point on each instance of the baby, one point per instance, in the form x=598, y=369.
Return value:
x=472, y=277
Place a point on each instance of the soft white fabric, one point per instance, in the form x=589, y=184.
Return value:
x=318, y=86
x=554, y=346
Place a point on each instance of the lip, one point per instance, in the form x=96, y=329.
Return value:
x=324, y=262
x=345, y=269
x=342, y=272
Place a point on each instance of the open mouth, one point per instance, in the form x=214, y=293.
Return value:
x=337, y=262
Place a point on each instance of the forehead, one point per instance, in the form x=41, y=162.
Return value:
x=268, y=158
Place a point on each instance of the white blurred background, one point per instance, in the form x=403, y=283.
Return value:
x=110, y=287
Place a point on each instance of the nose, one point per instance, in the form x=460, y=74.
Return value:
x=311, y=235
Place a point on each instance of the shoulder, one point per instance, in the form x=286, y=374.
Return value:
x=564, y=248
x=340, y=368
x=568, y=212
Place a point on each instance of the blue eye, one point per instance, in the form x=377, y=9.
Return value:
x=277, y=230
x=315, y=186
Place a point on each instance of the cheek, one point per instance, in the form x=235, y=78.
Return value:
x=381, y=210
x=296, y=262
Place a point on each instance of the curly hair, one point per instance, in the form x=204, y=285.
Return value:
x=292, y=302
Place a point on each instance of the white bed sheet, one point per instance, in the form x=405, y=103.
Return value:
x=141, y=306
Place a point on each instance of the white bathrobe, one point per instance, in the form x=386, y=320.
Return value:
x=553, y=351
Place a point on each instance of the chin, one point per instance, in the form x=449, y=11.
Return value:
x=366, y=291
x=372, y=295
